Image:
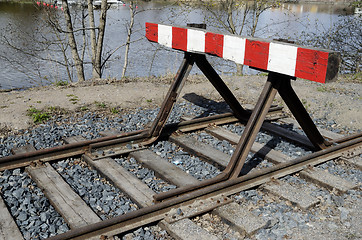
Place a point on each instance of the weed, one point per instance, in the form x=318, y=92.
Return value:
x=40, y=117
x=306, y=104
x=4, y=107
x=32, y=110
x=84, y=108
x=102, y=104
x=149, y=100
x=322, y=89
x=37, y=115
x=263, y=74
x=73, y=98
x=38, y=101
x=114, y=110
x=61, y=83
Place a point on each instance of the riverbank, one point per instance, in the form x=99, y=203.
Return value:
x=339, y=102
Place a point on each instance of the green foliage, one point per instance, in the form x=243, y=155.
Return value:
x=149, y=100
x=61, y=83
x=306, y=104
x=37, y=115
x=73, y=98
x=114, y=110
x=100, y=104
x=322, y=89
x=84, y=108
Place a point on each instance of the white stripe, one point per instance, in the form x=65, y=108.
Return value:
x=165, y=35
x=282, y=58
x=195, y=40
x=234, y=48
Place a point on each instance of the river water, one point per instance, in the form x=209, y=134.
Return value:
x=23, y=27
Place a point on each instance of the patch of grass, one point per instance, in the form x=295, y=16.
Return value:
x=61, y=83
x=38, y=101
x=306, y=104
x=37, y=115
x=114, y=110
x=40, y=117
x=100, y=104
x=4, y=107
x=149, y=100
x=73, y=98
x=84, y=108
x=322, y=89
x=263, y=74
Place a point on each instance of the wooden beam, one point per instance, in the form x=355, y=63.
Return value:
x=313, y=64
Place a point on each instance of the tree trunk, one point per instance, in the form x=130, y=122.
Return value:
x=128, y=42
x=72, y=43
x=92, y=37
x=97, y=42
x=101, y=31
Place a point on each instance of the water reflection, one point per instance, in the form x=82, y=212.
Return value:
x=19, y=20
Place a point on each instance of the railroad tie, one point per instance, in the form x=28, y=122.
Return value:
x=68, y=204
x=240, y=219
x=202, y=150
x=325, y=133
x=186, y=229
x=288, y=192
x=262, y=150
x=8, y=228
x=134, y=188
x=327, y=180
x=163, y=168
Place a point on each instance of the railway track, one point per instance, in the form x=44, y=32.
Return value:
x=172, y=175
x=136, y=180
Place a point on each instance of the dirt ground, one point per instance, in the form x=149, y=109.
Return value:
x=340, y=101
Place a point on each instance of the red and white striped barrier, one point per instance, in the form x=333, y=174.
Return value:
x=307, y=63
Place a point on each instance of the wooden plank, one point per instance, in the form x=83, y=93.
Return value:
x=163, y=168
x=186, y=229
x=23, y=149
x=355, y=162
x=313, y=64
x=8, y=227
x=69, y=204
x=296, y=196
x=287, y=134
x=326, y=133
x=138, y=191
x=202, y=150
x=109, y=133
x=262, y=150
x=240, y=219
x=327, y=180
x=74, y=139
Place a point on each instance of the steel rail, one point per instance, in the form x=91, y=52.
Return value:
x=156, y=212
x=78, y=148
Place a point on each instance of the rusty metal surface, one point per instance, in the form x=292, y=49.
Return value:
x=301, y=115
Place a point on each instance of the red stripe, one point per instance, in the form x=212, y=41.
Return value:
x=214, y=44
x=179, y=38
x=256, y=54
x=152, y=31
x=311, y=64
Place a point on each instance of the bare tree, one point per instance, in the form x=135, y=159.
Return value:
x=132, y=11
x=72, y=42
x=97, y=42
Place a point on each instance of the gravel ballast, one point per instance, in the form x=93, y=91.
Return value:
x=37, y=219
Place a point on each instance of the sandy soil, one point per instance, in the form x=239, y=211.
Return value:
x=339, y=101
